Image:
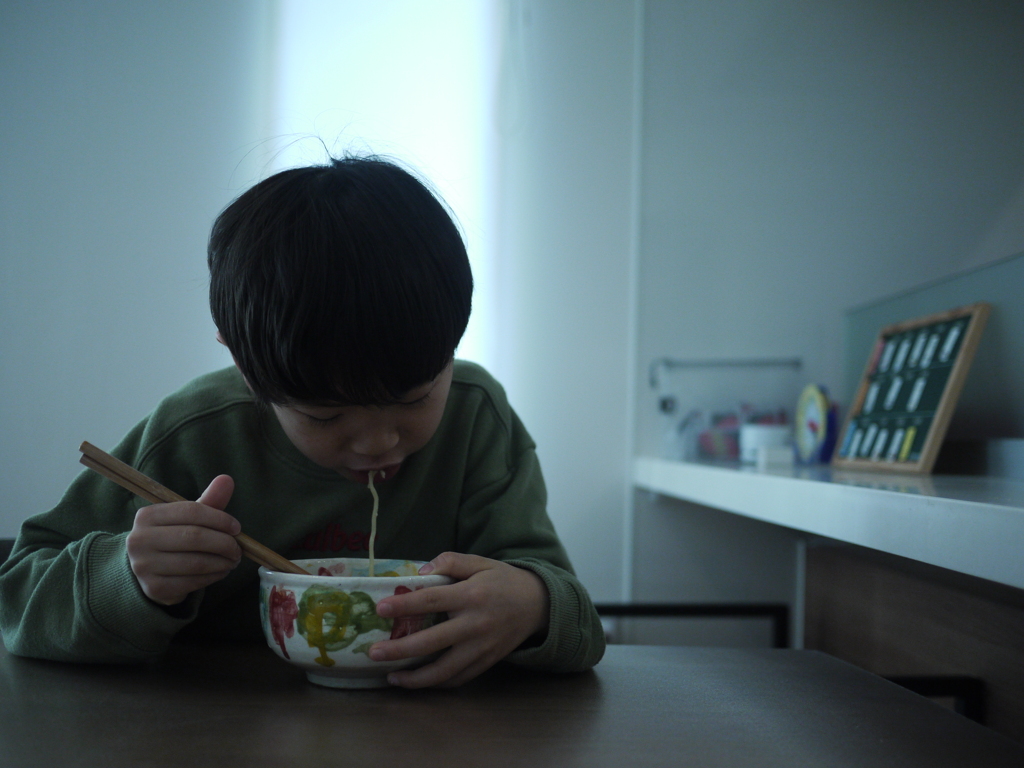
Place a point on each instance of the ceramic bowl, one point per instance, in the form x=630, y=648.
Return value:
x=326, y=622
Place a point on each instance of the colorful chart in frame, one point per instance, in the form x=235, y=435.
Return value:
x=911, y=383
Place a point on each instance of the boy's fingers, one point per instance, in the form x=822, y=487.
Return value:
x=218, y=492
x=182, y=513
x=435, y=673
x=446, y=599
x=146, y=543
x=457, y=565
x=422, y=643
x=199, y=540
x=177, y=548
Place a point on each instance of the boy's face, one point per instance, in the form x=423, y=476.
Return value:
x=354, y=439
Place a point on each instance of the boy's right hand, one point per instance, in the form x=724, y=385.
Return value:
x=175, y=549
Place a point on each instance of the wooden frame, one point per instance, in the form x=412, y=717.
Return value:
x=908, y=392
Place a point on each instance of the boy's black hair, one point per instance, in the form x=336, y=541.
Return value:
x=342, y=283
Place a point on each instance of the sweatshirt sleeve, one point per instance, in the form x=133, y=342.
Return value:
x=67, y=591
x=506, y=519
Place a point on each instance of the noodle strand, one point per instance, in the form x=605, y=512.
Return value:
x=373, y=518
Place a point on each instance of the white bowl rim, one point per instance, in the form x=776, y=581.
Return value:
x=424, y=580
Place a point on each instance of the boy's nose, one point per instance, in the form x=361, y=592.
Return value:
x=376, y=441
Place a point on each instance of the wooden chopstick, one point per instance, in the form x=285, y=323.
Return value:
x=132, y=480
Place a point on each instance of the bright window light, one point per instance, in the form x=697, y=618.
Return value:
x=410, y=79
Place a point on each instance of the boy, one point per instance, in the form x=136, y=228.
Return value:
x=342, y=292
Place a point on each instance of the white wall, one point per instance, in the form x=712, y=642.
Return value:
x=563, y=269
x=127, y=127
x=1004, y=237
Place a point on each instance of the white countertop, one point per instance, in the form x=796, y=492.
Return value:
x=974, y=525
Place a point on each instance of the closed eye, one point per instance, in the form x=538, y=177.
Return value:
x=418, y=401
x=320, y=421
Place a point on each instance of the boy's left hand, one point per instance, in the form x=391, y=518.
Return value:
x=491, y=610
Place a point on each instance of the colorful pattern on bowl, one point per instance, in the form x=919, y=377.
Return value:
x=326, y=623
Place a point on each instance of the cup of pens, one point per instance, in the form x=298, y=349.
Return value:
x=324, y=621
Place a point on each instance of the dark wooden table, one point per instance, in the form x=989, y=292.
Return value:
x=642, y=706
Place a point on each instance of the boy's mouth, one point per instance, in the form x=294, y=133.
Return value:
x=382, y=474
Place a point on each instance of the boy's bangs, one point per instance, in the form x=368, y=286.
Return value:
x=339, y=371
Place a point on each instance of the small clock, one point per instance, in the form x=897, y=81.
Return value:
x=816, y=425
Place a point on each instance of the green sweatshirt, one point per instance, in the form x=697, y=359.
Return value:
x=67, y=591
